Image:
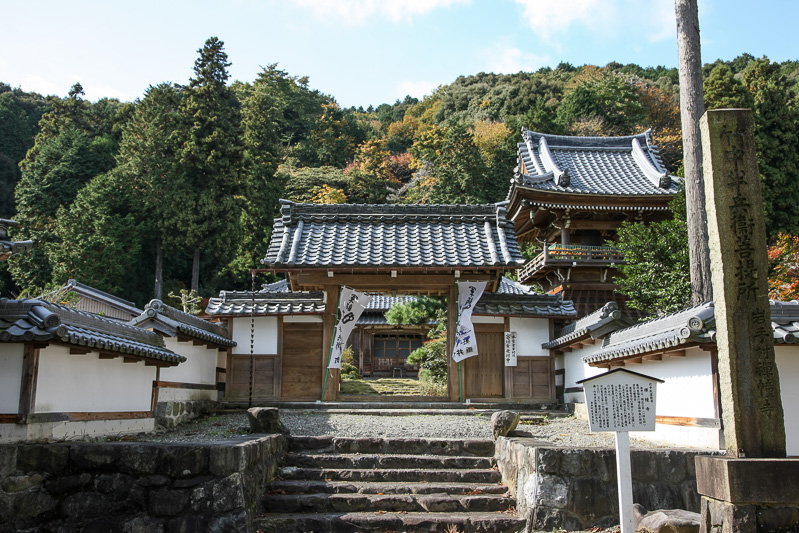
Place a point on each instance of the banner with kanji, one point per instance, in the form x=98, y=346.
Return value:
x=469, y=293
x=350, y=307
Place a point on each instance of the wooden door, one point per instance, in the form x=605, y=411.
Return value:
x=483, y=375
x=532, y=378
x=263, y=377
x=301, y=372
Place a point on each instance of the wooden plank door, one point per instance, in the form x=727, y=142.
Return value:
x=533, y=379
x=301, y=372
x=483, y=375
x=263, y=377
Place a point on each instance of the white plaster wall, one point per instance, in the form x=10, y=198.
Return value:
x=788, y=367
x=92, y=428
x=682, y=436
x=85, y=383
x=577, y=370
x=199, y=367
x=265, y=335
x=688, y=384
x=10, y=376
x=531, y=333
x=169, y=394
x=488, y=319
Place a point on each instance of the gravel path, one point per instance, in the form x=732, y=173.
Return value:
x=558, y=431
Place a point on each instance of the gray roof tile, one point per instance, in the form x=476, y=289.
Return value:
x=7, y=246
x=392, y=236
x=592, y=165
x=29, y=320
x=605, y=320
x=266, y=303
x=170, y=321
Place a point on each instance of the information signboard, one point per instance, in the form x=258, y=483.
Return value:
x=621, y=400
x=511, y=342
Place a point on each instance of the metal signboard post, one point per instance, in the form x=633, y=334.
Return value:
x=622, y=401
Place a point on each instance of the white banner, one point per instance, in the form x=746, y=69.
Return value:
x=350, y=306
x=469, y=293
x=510, y=348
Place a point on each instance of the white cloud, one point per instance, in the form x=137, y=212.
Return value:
x=503, y=59
x=417, y=89
x=606, y=18
x=357, y=12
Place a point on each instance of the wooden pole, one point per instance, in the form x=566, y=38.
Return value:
x=625, y=482
x=329, y=332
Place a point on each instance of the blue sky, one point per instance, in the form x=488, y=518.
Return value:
x=363, y=51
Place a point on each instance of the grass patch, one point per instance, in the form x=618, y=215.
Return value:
x=385, y=387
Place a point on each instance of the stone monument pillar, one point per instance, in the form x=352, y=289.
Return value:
x=750, y=387
x=743, y=492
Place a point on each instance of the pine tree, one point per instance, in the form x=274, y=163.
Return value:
x=723, y=91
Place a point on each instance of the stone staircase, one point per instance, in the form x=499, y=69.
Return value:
x=374, y=484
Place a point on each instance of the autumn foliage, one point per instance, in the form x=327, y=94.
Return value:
x=783, y=256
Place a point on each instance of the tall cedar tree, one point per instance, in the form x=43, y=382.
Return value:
x=776, y=122
x=211, y=156
x=149, y=162
x=691, y=109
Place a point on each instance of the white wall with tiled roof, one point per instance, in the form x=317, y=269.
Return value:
x=84, y=383
x=788, y=366
x=531, y=333
x=199, y=367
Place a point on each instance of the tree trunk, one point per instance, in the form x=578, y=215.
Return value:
x=159, y=269
x=195, y=270
x=692, y=107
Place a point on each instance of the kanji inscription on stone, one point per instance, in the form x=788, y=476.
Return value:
x=749, y=384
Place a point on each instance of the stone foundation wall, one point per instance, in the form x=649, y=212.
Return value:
x=173, y=413
x=136, y=487
x=576, y=488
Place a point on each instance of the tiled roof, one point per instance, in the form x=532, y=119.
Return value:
x=528, y=305
x=109, y=299
x=7, y=246
x=508, y=286
x=696, y=324
x=626, y=166
x=37, y=320
x=692, y=325
x=599, y=323
x=785, y=322
x=384, y=303
x=266, y=303
x=278, y=286
x=392, y=236
x=170, y=321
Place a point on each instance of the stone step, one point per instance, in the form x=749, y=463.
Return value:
x=329, y=444
x=365, y=487
x=415, y=503
x=414, y=406
x=389, y=474
x=393, y=461
x=465, y=522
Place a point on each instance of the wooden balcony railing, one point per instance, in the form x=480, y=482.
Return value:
x=571, y=255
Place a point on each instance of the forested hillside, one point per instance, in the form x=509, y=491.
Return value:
x=181, y=186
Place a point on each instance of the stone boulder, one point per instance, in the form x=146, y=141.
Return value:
x=265, y=420
x=665, y=520
x=503, y=422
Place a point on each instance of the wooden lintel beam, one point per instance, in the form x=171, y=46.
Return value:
x=588, y=341
x=653, y=357
x=595, y=224
x=183, y=338
x=566, y=349
x=150, y=363
x=676, y=353
x=195, y=342
x=131, y=359
x=616, y=363
x=79, y=351
x=106, y=355
x=365, y=280
x=602, y=365
x=634, y=360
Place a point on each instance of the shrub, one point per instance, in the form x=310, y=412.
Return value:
x=432, y=360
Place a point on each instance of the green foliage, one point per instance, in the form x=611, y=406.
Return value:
x=432, y=360
x=416, y=312
x=302, y=183
x=656, y=273
x=611, y=99
x=189, y=301
x=722, y=90
x=776, y=124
